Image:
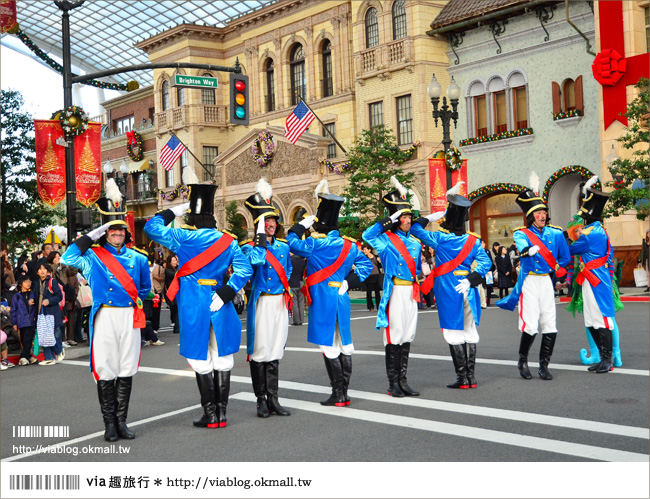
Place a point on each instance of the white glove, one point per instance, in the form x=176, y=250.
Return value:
x=395, y=216
x=260, y=225
x=463, y=286
x=344, y=288
x=308, y=221
x=98, y=232
x=181, y=209
x=533, y=250
x=434, y=217
x=217, y=303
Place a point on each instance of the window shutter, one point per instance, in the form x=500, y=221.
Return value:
x=556, y=98
x=578, y=93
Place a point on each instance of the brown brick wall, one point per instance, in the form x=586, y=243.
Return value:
x=139, y=109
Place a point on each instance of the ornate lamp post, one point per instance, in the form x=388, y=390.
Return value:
x=609, y=160
x=445, y=114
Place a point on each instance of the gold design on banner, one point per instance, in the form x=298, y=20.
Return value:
x=50, y=161
x=87, y=161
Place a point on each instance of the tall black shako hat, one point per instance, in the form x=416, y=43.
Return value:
x=201, y=195
x=529, y=200
x=398, y=199
x=593, y=202
x=457, y=210
x=327, y=211
x=112, y=210
x=260, y=203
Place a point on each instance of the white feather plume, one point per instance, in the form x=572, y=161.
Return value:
x=264, y=188
x=189, y=177
x=113, y=192
x=455, y=189
x=322, y=188
x=589, y=183
x=396, y=183
x=534, y=182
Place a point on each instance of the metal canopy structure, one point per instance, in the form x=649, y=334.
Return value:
x=103, y=33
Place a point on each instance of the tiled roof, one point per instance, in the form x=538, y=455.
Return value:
x=464, y=10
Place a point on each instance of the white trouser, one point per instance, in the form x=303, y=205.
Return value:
x=213, y=362
x=337, y=347
x=537, y=305
x=402, y=316
x=116, y=344
x=469, y=333
x=592, y=314
x=271, y=328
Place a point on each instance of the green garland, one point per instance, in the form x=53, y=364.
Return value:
x=129, y=87
x=495, y=188
x=571, y=113
x=567, y=170
x=496, y=136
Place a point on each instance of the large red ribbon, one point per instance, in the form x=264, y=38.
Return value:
x=131, y=137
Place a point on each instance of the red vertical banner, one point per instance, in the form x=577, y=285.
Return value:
x=8, y=21
x=437, y=185
x=50, y=161
x=459, y=175
x=87, y=164
x=130, y=221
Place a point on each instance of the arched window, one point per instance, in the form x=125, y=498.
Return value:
x=165, y=95
x=207, y=94
x=372, y=28
x=270, y=86
x=495, y=216
x=298, y=82
x=298, y=214
x=399, y=20
x=478, y=109
x=180, y=96
x=328, y=86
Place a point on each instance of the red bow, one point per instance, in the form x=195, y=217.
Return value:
x=608, y=67
x=131, y=136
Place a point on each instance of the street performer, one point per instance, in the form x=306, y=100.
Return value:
x=454, y=283
x=596, y=274
x=119, y=279
x=544, y=252
x=210, y=329
x=397, y=312
x=330, y=258
x=267, y=324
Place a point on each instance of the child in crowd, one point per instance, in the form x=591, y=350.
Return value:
x=23, y=318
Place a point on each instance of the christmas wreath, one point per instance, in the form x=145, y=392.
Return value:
x=453, y=158
x=73, y=120
x=263, y=148
x=133, y=138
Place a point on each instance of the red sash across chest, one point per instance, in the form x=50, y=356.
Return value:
x=451, y=265
x=324, y=274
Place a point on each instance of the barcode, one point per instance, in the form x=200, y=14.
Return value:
x=41, y=431
x=43, y=482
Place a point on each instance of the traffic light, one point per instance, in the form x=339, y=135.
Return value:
x=239, y=103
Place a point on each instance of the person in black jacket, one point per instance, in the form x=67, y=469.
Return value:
x=47, y=296
x=298, y=265
x=23, y=319
x=504, y=268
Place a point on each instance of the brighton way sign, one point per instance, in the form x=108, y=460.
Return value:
x=194, y=81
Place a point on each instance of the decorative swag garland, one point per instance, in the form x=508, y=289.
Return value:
x=342, y=168
x=496, y=136
x=567, y=170
x=495, y=188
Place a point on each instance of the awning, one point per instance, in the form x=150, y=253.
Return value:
x=138, y=166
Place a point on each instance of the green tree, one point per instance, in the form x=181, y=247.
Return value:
x=629, y=193
x=22, y=213
x=374, y=158
x=235, y=221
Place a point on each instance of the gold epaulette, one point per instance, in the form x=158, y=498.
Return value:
x=443, y=230
x=477, y=236
x=556, y=227
x=141, y=251
x=350, y=239
x=318, y=235
x=280, y=239
x=587, y=230
x=519, y=228
x=229, y=233
x=246, y=242
x=188, y=227
x=416, y=239
x=96, y=245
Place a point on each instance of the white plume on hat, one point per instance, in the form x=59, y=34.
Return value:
x=533, y=180
x=455, y=189
x=113, y=192
x=322, y=188
x=189, y=177
x=264, y=188
x=396, y=183
x=589, y=183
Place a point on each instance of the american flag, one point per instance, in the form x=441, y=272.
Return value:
x=170, y=153
x=297, y=122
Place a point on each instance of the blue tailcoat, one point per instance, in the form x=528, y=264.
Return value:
x=592, y=244
x=194, y=299
x=105, y=287
x=265, y=279
x=554, y=240
x=450, y=302
x=328, y=306
x=393, y=263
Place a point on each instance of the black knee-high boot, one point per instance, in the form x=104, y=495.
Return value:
x=222, y=391
x=346, y=368
x=272, y=381
x=392, y=370
x=460, y=364
x=524, y=347
x=606, y=354
x=405, y=350
x=205, y=383
x=123, y=396
x=335, y=373
x=470, y=350
x=545, y=352
x=107, y=404
x=258, y=377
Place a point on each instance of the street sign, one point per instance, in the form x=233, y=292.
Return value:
x=194, y=81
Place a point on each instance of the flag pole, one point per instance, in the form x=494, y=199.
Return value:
x=324, y=127
x=188, y=150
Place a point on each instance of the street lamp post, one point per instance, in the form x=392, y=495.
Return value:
x=445, y=114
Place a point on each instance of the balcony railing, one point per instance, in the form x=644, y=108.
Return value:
x=388, y=56
x=142, y=127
